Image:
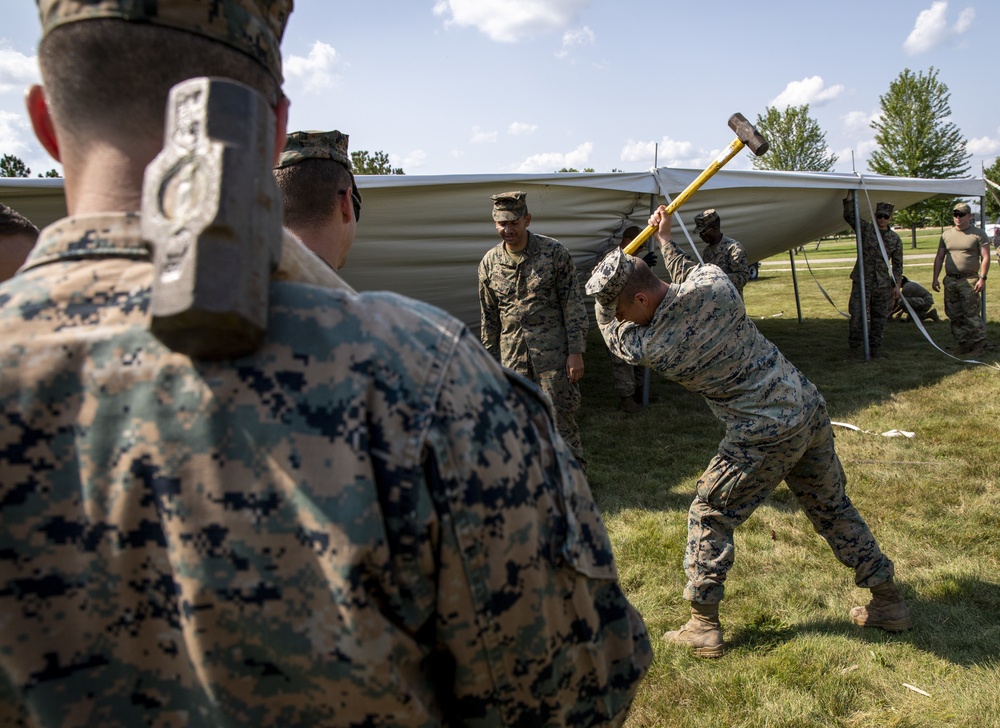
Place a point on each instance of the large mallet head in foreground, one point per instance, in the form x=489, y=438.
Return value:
x=746, y=136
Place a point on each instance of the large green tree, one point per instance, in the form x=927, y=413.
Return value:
x=916, y=139
x=798, y=144
x=376, y=163
x=992, y=173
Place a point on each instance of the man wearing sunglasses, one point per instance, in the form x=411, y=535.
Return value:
x=881, y=285
x=965, y=251
x=322, y=204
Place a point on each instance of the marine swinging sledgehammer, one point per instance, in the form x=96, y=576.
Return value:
x=746, y=136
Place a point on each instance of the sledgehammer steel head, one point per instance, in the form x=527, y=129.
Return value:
x=748, y=134
x=212, y=213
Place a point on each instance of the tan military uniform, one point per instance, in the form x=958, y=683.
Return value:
x=962, y=305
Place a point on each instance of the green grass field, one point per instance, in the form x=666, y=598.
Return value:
x=933, y=501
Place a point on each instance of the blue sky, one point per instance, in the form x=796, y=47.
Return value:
x=499, y=86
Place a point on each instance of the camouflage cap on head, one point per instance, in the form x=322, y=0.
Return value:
x=254, y=27
x=705, y=220
x=315, y=145
x=610, y=276
x=509, y=205
x=884, y=208
x=962, y=207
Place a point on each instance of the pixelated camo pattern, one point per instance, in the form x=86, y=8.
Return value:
x=729, y=255
x=876, y=273
x=364, y=523
x=254, y=27
x=533, y=313
x=315, y=145
x=701, y=337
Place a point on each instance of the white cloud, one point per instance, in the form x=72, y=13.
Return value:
x=314, y=72
x=583, y=36
x=412, y=160
x=669, y=152
x=554, y=161
x=17, y=71
x=482, y=137
x=521, y=129
x=510, y=21
x=983, y=146
x=931, y=28
x=811, y=90
x=15, y=133
x=857, y=121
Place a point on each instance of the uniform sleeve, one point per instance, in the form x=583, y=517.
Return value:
x=896, y=258
x=849, y=212
x=739, y=271
x=489, y=313
x=624, y=338
x=571, y=299
x=679, y=266
x=530, y=613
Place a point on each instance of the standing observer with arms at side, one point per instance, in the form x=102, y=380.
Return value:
x=365, y=521
x=965, y=252
x=533, y=319
x=881, y=284
x=695, y=331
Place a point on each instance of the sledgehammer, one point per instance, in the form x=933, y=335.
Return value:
x=211, y=212
x=746, y=136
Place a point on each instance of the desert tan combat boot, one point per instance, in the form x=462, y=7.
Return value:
x=702, y=633
x=886, y=610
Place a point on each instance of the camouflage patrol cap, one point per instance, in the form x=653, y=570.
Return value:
x=610, y=276
x=705, y=220
x=254, y=27
x=509, y=205
x=962, y=207
x=315, y=145
x=884, y=207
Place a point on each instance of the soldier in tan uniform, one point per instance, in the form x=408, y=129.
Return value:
x=533, y=319
x=965, y=252
x=320, y=199
x=695, y=331
x=363, y=521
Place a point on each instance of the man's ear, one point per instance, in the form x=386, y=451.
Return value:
x=280, y=126
x=346, y=206
x=41, y=120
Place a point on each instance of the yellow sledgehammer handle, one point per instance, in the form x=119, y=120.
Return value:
x=731, y=151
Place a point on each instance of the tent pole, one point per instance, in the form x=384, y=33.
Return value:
x=795, y=284
x=645, y=370
x=861, y=273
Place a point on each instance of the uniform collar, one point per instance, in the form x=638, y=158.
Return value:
x=116, y=234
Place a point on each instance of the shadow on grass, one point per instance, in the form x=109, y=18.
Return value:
x=958, y=623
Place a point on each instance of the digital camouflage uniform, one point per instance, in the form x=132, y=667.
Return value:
x=962, y=305
x=533, y=318
x=920, y=299
x=878, y=283
x=777, y=427
x=366, y=522
x=729, y=255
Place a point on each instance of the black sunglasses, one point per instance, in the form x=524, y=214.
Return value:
x=882, y=216
x=956, y=213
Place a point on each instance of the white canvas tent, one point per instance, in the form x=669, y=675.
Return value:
x=423, y=236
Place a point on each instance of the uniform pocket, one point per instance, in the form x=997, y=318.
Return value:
x=731, y=477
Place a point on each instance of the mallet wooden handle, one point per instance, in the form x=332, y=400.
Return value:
x=731, y=151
